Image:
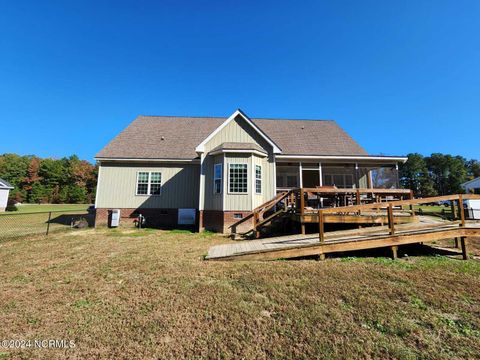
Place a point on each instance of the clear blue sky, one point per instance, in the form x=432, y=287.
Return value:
x=399, y=76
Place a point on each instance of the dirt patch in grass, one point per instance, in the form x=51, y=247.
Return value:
x=149, y=294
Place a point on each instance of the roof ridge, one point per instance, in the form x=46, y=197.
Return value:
x=188, y=117
x=223, y=117
x=254, y=118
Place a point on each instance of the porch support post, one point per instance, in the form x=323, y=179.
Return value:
x=300, y=170
x=397, y=177
x=357, y=176
x=201, y=195
x=320, y=183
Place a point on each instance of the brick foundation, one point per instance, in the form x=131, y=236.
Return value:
x=158, y=218
x=212, y=220
x=222, y=221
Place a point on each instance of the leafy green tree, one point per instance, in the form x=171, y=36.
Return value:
x=447, y=172
x=39, y=194
x=473, y=169
x=77, y=194
x=414, y=175
x=13, y=168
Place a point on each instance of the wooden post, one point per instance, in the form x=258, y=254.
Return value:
x=452, y=207
x=358, y=197
x=463, y=242
x=411, y=205
x=302, y=209
x=461, y=210
x=255, y=222
x=457, y=244
x=463, y=239
x=394, y=252
x=48, y=222
x=321, y=227
x=391, y=224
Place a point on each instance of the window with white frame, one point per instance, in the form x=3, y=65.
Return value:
x=149, y=183
x=217, y=179
x=238, y=178
x=258, y=179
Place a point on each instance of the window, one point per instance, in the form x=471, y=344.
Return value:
x=217, y=179
x=149, y=183
x=258, y=179
x=142, y=183
x=238, y=178
x=155, y=183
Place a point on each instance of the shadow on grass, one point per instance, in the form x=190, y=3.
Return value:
x=385, y=253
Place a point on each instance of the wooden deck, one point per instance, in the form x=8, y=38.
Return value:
x=294, y=246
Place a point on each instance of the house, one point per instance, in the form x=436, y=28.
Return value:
x=5, y=188
x=214, y=171
x=472, y=186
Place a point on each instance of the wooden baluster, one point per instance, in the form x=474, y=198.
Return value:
x=411, y=205
x=461, y=210
x=452, y=207
x=391, y=224
x=321, y=227
x=302, y=210
x=463, y=239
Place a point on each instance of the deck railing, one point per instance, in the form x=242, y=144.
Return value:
x=390, y=205
x=294, y=200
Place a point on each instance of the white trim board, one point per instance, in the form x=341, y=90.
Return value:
x=195, y=161
x=201, y=147
x=343, y=157
x=232, y=151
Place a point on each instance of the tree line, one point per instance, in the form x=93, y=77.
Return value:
x=437, y=174
x=47, y=180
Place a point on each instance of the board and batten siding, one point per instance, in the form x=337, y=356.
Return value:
x=268, y=182
x=238, y=131
x=213, y=201
x=117, y=186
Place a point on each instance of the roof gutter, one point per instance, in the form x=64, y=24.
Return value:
x=194, y=161
x=401, y=159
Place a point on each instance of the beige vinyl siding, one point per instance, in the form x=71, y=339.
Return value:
x=117, y=186
x=212, y=201
x=238, y=131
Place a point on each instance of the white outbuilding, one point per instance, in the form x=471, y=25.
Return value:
x=5, y=188
x=472, y=185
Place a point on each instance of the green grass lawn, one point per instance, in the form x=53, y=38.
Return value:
x=33, y=219
x=149, y=294
x=30, y=208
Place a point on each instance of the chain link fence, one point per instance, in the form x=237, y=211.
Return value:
x=16, y=225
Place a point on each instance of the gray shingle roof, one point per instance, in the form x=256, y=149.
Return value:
x=171, y=137
x=5, y=184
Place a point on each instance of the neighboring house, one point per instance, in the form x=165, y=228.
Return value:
x=5, y=188
x=472, y=185
x=214, y=171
